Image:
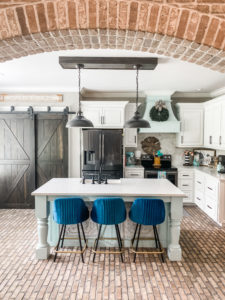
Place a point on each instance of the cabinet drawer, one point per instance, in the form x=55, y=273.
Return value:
x=211, y=187
x=185, y=184
x=185, y=174
x=199, y=199
x=211, y=207
x=189, y=198
x=199, y=182
x=134, y=173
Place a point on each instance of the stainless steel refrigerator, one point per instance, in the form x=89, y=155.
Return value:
x=102, y=153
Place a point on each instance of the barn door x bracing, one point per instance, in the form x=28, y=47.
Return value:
x=31, y=152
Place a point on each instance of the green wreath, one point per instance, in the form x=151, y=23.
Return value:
x=159, y=112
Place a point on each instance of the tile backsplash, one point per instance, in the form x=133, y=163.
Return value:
x=168, y=146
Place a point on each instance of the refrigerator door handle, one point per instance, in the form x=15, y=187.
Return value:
x=103, y=148
x=100, y=153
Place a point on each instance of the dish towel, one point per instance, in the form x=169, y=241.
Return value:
x=162, y=174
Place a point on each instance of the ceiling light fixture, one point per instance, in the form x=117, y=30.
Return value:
x=79, y=120
x=137, y=121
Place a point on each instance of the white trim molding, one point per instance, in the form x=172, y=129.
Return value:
x=16, y=98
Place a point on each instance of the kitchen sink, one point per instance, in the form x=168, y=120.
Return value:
x=109, y=181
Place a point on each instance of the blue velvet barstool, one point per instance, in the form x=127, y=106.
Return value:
x=147, y=212
x=70, y=211
x=108, y=211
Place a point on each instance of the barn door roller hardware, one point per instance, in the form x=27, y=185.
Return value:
x=109, y=63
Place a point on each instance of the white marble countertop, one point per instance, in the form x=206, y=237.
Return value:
x=134, y=167
x=210, y=171
x=123, y=187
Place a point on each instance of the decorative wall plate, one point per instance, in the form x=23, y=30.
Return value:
x=150, y=145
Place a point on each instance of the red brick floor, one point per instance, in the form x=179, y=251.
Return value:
x=200, y=274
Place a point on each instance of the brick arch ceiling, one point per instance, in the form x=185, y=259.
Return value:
x=191, y=30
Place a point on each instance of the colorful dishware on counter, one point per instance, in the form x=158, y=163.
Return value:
x=130, y=159
x=156, y=163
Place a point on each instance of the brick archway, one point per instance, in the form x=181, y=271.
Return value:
x=191, y=30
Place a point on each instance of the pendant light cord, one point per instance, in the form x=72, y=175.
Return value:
x=137, y=69
x=79, y=67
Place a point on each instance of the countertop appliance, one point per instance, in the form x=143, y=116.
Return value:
x=166, y=170
x=102, y=155
x=221, y=160
x=130, y=159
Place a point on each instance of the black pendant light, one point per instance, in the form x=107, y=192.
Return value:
x=79, y=120
x=137, y=121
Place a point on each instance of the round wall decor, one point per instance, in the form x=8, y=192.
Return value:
x=159, y=112
x=150, y=145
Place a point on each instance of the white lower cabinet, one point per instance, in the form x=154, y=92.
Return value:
x=199, y=199
x=206, y=194
x=134, y=172
x=211, y=207
x=185, y=183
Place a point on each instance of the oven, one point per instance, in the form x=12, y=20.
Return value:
x=171, y=175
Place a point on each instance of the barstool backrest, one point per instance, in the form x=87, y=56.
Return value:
x=108, y=211
x=69, y=211
x=147, y=211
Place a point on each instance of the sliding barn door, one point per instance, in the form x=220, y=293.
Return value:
x=51, y=147
x=17, y=161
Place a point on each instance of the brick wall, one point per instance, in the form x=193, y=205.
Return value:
x=189, y=30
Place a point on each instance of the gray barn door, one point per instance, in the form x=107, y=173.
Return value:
x=51, y=147
x=17, y=161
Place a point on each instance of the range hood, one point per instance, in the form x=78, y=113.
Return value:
x=172, y=125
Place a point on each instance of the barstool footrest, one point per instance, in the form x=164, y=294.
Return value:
x=108, y=251
x=71, y=251
x=146, y=252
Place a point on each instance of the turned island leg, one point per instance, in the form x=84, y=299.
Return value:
x=42, y=212
x=176, y=214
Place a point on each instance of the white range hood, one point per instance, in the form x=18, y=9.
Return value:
x=172, y=125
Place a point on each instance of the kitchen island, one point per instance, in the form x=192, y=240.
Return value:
x=129, y=190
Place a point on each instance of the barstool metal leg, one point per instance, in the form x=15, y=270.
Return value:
x=156, y=241
x=139, y=230
x=63, y=236
x=78, y=229
x=119, y=241
x=83, y=233
x=57, y=246
x=119, y=236
x=132, y=241
x=160, y=248
x=96, y=245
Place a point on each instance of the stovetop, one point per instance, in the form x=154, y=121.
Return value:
x=162, y=169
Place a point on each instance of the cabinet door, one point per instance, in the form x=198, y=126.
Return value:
x=216, y=124
x=129, y=111
x=130, y=137
x=208, y=121
x=134, y=173
x=113, y=117
x=222, y=127
x=191, y=127
x=93, y=114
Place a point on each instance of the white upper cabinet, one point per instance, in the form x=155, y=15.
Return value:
x=105, y=114
x=191, y=116
x=130, y=134
x=222, y=126
x=214, y=124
